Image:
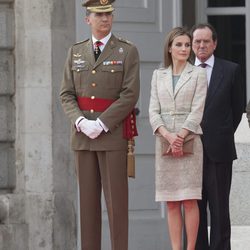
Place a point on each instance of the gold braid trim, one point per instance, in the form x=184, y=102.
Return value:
x=99, y=9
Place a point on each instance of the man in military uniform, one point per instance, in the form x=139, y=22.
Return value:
x=99, y=90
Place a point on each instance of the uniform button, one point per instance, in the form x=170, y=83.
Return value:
x=93, y=71
x=78, y=70
x=93, y=84
x=92, y=111
x=132, y=121
x=112, y=70
x=92, y=97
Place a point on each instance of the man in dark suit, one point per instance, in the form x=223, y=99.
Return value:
x=99, y=90
x=222, y=115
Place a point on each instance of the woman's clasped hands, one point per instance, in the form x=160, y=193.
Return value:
x=176, y=144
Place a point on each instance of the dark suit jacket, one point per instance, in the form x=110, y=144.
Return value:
x=223, y=111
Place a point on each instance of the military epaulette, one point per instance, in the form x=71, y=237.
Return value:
x=82, y=41
x=124, y=40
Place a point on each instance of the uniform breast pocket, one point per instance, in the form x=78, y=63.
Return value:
x=112, y=76
x=79, y=72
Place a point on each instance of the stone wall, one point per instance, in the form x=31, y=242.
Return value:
x=7, y=90
x=37, y=182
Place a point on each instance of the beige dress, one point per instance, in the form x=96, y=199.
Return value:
x=178, y=178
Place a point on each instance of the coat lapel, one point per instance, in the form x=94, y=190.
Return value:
x=168, y=81
x=185, y=76
x=215, y=81
x=165, y=78
x=88, y=53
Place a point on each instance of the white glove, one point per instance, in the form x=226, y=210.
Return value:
x=90, y=128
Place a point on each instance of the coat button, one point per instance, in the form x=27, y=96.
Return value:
x=92, y=97
x=93, y=84
x=92, y=111
x=93, y=72
x=112, y=70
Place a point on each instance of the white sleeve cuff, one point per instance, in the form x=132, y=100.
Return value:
x=79, y=119
x=105, y=128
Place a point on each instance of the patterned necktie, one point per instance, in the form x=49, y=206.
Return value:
x=203, y=65
x=97, y=50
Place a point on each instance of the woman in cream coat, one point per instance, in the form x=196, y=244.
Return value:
x=178, y=93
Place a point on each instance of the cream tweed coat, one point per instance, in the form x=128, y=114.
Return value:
x=178, y=178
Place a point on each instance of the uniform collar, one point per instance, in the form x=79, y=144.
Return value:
x=103, y=40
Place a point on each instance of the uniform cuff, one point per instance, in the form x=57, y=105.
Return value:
x=105, y=128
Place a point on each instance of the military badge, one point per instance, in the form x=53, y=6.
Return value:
x=77, y=55
x=79, y=64
x=112, y=63
x=79, y=61
x=104, y=2
x=121, y=50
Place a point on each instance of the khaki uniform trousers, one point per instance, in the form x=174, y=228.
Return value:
x=107, y=170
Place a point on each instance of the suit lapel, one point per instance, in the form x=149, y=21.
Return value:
x=215, y=81
x=185, y=76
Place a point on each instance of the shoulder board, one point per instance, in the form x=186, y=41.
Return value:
x=82, y=41
x=124, y=40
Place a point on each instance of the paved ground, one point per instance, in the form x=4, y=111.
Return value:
x=240, y=238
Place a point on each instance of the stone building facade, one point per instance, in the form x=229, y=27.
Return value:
x=37, y=184
x=38, y=209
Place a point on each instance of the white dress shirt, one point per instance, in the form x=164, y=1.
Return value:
x=103, y=40
x=209, y=67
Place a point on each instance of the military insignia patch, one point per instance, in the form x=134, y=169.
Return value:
x=79, y=64
x=121, y=50
x=112, y=63
x=104, y=2
x=77, y=55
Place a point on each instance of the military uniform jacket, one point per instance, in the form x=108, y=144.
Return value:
x=114, y=76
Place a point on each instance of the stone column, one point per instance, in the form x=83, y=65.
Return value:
x=9, y=232
x=37, y=206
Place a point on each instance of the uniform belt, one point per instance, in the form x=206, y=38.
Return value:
x=100, y=105
x=95, y=104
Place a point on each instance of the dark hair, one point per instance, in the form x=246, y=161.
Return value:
x=87, y=12
x=203, y=26
x=175, y=32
